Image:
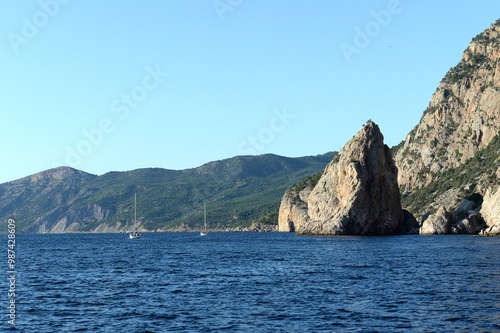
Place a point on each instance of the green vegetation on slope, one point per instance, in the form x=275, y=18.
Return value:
x=479, y=169
x=310, y=181
x=237, y=191
x=472, y=61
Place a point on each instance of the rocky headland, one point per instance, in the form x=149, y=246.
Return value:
x=357, y=194
x=443, y=178
x=446, y=172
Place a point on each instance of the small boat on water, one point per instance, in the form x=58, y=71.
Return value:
x=204, y=232
x=135, y=234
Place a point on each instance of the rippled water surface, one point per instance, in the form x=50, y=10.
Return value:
x=256, y=282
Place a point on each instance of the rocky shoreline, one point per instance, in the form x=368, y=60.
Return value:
x=358, y=194
x=446, y=171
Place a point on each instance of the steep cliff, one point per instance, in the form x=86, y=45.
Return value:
x=293, y=207
x=470, y=180
x=446, y=164
x=462, y=118
x=357, y=194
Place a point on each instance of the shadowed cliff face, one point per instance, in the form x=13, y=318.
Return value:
x=463, y=115
x=358, y=192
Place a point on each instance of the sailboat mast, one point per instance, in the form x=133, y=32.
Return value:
x=205, y=215
x=135, y=208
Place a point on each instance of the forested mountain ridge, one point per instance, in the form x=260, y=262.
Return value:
x=238, y=191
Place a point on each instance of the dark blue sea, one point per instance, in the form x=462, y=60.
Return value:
x=254, y=282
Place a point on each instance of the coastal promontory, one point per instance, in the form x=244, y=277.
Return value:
x=357, y=193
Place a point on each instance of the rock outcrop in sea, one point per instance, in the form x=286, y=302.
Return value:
x=490, y=212
x=438, y=223
x=357, y=193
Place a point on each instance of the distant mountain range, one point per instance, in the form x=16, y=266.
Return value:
x=451, y=155
x=238, y=192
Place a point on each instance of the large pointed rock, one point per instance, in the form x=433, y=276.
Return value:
x=358, y=193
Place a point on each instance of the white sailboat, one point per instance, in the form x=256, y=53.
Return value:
x=135, y=234
x=204, y=232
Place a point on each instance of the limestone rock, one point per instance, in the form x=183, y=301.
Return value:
x=464, y=208
x=358, y=193
x=471, y=225
x=64, y=219
x=490, y=210
x=409, y=225
x=437, y=224
x=293, y=210
x=462, y=117
x=258, y=227
x=491, y=231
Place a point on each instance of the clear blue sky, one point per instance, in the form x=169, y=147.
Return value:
x=119, y=85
